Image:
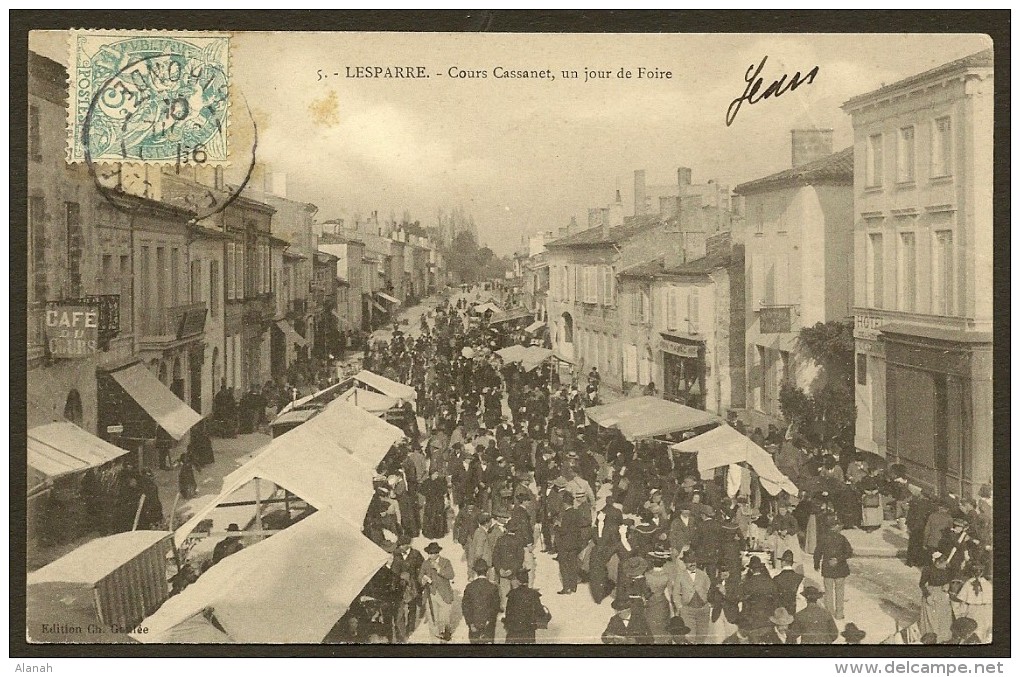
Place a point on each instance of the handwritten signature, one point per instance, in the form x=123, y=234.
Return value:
x=777, y=88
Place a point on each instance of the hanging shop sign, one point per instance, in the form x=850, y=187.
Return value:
x=72, y=331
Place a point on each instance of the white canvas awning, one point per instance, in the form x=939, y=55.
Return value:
x=158, y=401
x=534, y=326
x=647, y=416
x=291, y=333
x=486, y=307
x=289, y=588
x=387, y=297
x=386, y=386
x=97, y=559
x=372, y=402
x=724, y=446
x=61, y=448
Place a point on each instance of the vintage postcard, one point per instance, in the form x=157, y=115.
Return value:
x=438, y=339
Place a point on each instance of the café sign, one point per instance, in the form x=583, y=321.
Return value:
x=72, y=331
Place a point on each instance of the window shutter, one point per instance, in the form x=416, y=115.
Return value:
x=692, y=311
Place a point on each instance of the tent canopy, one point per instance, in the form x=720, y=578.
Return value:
x=529, y=357
x=485, y=308
x=97, y=559
x=647, y=416
x=725, y=446
x=61, y=448
x=370, y=401
x=328, y=462
x=289, y=588
x=534, y=326
x=158, y=401
x=386, y=386
x=387, y=297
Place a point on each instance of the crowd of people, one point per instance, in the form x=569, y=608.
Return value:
x=683, y=560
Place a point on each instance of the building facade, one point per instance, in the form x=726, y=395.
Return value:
x=923, y=291
x=798, y=231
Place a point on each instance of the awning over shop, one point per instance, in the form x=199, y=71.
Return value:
x=289, y=588
x=62, y=448
x=370, y=401
x=724, y=446
x=386, y=386
x=511, y=315
x=99, y=558
x=647, y=416
x=328, y=461
x=158, y=401
x=379, y=307
x=387, y=297
x=534, y=326
x=291, y=333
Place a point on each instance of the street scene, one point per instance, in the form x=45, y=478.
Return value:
x=324, y=354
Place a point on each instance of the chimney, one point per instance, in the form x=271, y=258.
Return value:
x=640, y=194
x=572, y=228
x=808, y=145
x=683, y=179
x=616, y=212
x=593, y=217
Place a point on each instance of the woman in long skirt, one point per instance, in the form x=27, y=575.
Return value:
x=975, y=601
x=434, y=515
x=936, y=607
x=657, y=610
x=871, y=502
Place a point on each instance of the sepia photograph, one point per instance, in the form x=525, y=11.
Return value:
x=346, y=337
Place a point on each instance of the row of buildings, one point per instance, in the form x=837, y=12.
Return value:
x=150, y=288
x=701, y=292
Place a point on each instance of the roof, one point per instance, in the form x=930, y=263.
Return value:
x=386, y=386
x=370, y=401
x=60, y=448
x=697, y=268
x=647, y=416
x=97, y=559
x=982, y=59
x=836, y=168
x=593, y=237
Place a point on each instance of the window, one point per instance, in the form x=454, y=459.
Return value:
x=630, y=362
x=612, y=285
x=757, y=282
x=942, y=273
x=126, y=293
x=160, y=290
x=37, y=243
x=693, y=312
x=873, y=162
x=577, y=292
x=770, y=284
x=646, y=309
x=905, y=157
x=759, y=220
x=72, y=217
x=175, y=277
x=565, y=283
x=908, y=272
x=146, y=279
x=34, y=135
x=591, y=291
x=672, y=307
x=876, y=271
x=196, y=282
x=862, y=369
x=231, y=264
x=942, y=148
x=239, y=273
x=607, y=286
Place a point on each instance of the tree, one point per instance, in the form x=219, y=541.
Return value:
x=825, y=413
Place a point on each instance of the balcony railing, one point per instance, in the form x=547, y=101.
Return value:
x=174, y=323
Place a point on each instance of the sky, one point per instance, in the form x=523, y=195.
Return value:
x=525, y=156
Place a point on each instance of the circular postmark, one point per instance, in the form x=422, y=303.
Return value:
x=157, y=110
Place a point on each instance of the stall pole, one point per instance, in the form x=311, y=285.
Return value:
x=138, y=512
x=258, y=505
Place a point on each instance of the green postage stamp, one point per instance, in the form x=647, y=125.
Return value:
x=148, y=97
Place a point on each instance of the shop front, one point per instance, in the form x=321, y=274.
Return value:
x=683, y=370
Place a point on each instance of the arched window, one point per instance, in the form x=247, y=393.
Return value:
x=72, y=408
x=568, y=328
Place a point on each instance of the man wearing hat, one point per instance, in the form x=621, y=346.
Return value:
x=742, y=634
x=831, y=556
x=682, y=529
x=508, y=559
x=938, y=523
x=481, y=605
x=787, y=583
x=524, y=611
x=436, y=578
x=571, y=538
x=406, y=568
x=758, y=594
x=484, y=540
x=813, y=624
x=575, y=483
x=627, y=626
x=552, y=510
x=677, y=630
x=779, y=632
x=229, y=545
x=691, y=588
x=852, y=634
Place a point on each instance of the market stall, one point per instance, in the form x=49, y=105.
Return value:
x=384, y=386
x=292, y=588
x=114, y=581
x=647, y=417
x=530, y=357
x=726, y=447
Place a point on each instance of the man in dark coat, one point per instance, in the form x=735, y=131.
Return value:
x=524, y=611
x=406, y=566
x=606, y=534
x=813, y=624
x=229, y=545
x=571, y=538
x=707, y=539
x=508, y=559
x=481, y=605
x=787, y=583
x=779, y=631
x=919, y=509
x=831, y=557
x=628, y=625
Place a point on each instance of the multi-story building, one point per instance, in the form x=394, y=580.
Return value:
x=799, y=249
x=350, y=253
x=923, y=273
x=684, y=319
x=324, y=298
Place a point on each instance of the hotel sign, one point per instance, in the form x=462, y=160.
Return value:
x=867, y=326
x=775, y=320
x=72, y=331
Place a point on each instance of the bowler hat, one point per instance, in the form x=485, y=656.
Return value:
x=480, y=567
x=233, y=527
x=676, y=626
x=433, y=548
x=853, y=634
x=812, y=594
x=522, y=576
x=787, y=556
x=964, y=626
x=621, y=603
